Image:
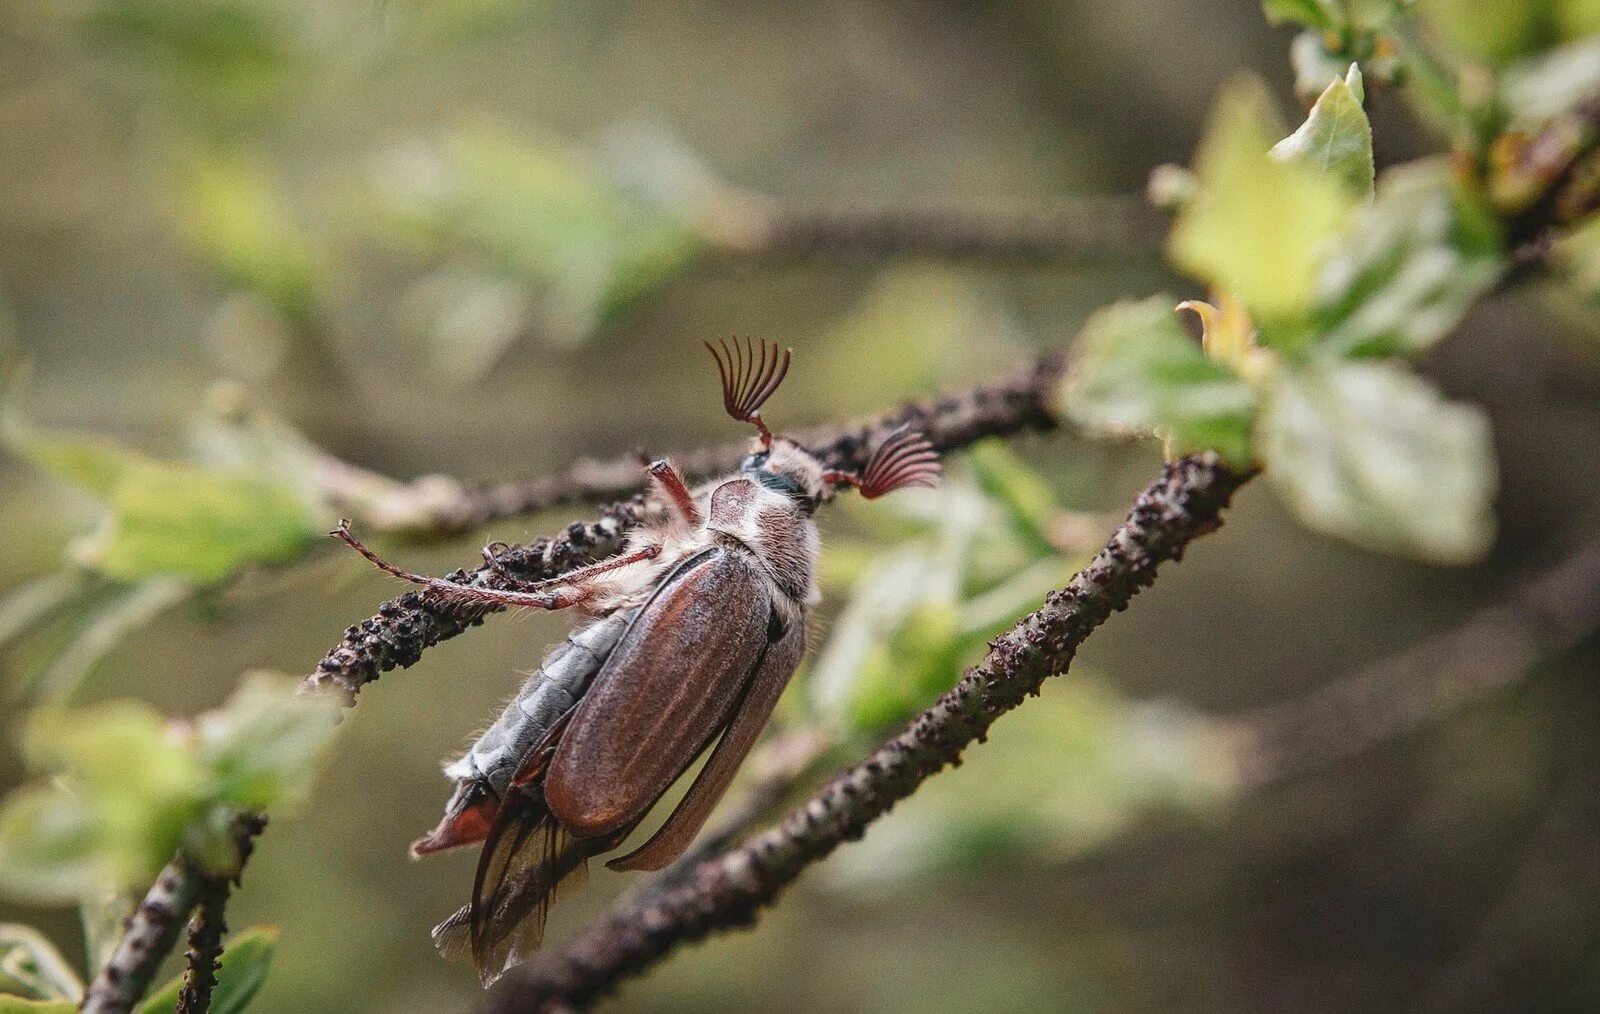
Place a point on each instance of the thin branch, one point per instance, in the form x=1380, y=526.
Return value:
x=1401, y=693
x=152, y=930
x=404, y=627
x=730, y=890
x=151, y=933
x=206, y=930
x=1111, y=228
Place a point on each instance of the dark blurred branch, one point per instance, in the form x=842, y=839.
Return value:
x=1184, y=503
x=1097, y=228
x=404, y=627
x=1541, y=930
x=152, y=930
x=1549, y=614
x=206, y=930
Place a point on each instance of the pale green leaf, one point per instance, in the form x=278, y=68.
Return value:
x=541, y=213
x=245, y=963
x=261, y=747
x=32, y=968
x=1137, y=371
x=1018, y=489
x=1315, y=68
x=1335, y=138
x=1492, y=31
x=128, y=774
x=50, y=846
x=1409, y=268
x=232, y=209
x=188, y=522
x=91, y=462
x=1322, y=15
x=1370, y=453
x=22, y=1005
x=1256, y=226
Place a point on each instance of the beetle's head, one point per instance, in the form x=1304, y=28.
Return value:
x=783, y=466
x=751, y=371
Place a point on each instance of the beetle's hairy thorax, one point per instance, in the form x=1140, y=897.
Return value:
x=773, y=530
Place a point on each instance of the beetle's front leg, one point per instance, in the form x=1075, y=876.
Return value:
x=674, y=492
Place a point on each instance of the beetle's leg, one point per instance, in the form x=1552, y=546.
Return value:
x=491, y=559
x=556, y=593
x=675, y=492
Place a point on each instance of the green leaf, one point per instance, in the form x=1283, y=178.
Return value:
x=1409, y=269
x=32, y=968
x=172, y=519
x=1256, y=225
x=245, y=963
x=234, y=212
x=1021, y=493
x=22, y=1005
x=1322, y=15
x=262, y=745
x=128, y=788
x=184, y=521
x=1136, y=370
x=50, y=846
x=1491, y=31
x=91, y=462
x=1370, y=453
x=1336, y=138
x=541, y=213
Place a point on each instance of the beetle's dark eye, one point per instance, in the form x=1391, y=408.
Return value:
x=779, y=483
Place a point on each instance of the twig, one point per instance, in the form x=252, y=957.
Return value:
x=1122, y=228
x=152, y=931
x=1398, y=694
x=403, y=628
x=206, y=930
x=730, y=890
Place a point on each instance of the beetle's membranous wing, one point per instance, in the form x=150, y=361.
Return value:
x=525, y=863
x=777, y=664
x=527, y=860
x=672, y=683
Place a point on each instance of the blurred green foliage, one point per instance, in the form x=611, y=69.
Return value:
x=537, y=211
x=242, y=126
x=1341, y=285
x=128, y=788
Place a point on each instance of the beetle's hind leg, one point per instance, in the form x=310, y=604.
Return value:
x=560, y=592
x=456, y=593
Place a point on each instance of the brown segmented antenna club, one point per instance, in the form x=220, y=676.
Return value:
x=904, y=459
x=751, y=370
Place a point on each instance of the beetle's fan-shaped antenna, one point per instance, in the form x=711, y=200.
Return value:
x=751, y=370
x=904, y=459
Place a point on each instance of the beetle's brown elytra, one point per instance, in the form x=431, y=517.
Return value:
x=689, y=637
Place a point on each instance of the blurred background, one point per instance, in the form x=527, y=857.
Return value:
x=485, y=237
